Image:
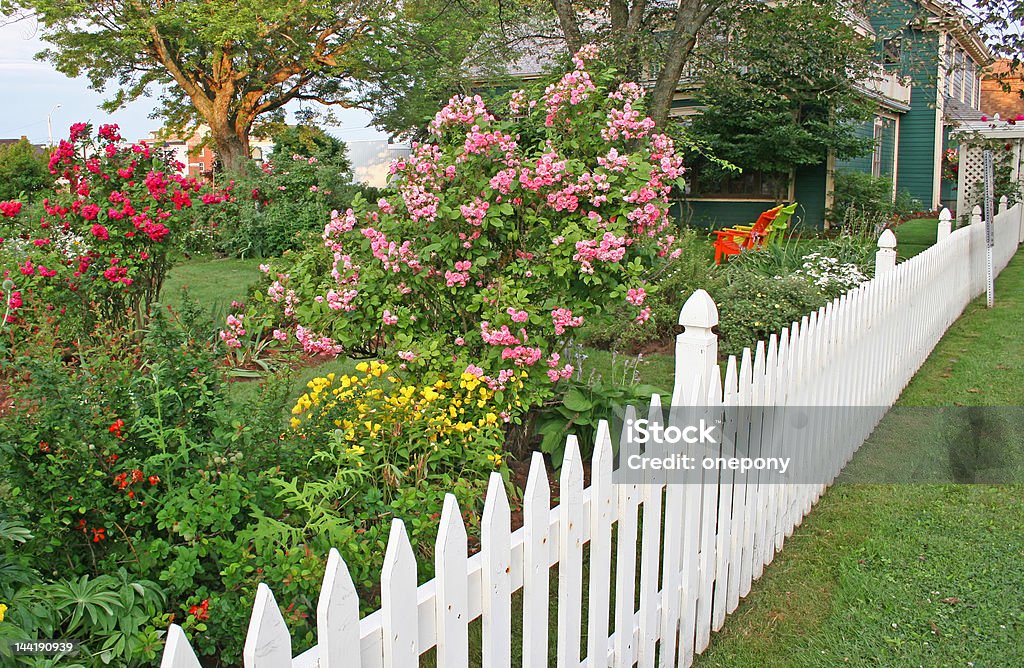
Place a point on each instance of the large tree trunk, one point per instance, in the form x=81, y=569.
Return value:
x=690, y=18
x=232, y=150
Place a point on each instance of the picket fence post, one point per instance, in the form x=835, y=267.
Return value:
x=268, y=644
x=885, y=258
x=337, y=616
x=945, y=225
x=696, y=347
x=178, y=653
x=976, y=215
x=451, y=570
x=1020, y=222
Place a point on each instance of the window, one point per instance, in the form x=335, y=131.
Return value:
x=751, y=184
x=892, y=51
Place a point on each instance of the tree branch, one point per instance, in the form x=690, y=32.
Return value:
x=569, y=23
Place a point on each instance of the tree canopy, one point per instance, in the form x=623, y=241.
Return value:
x=785, y=88
x=23, y=170
x=228, y=64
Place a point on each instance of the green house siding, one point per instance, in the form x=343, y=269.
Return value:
x=861, y=163
x=810, y=195
x=917, y=145
x=887, y=148
x=715, y=215
x=919, y=55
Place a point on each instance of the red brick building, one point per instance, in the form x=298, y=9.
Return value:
x=996, y=100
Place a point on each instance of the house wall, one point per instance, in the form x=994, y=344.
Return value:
x=809, y=193
x=860, y=163
x=718, y=214
x=919, y=125
x=919, y=60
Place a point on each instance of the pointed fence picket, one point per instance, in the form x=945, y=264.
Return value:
x=667, y=563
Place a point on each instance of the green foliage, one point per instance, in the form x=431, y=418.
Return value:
x=670, y=286
x=581, y=408
x=864, y=203
x=23, y=171
x=754, y=305
x=229, y=65
x=132, y=457
x=283, y=204
x=781, y=92
x=98, y=252
x=120, y=618
x=500, y=236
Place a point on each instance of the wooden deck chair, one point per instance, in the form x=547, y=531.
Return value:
x=733, y=240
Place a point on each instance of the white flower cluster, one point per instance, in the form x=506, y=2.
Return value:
x=69, y=245
x=829, y=273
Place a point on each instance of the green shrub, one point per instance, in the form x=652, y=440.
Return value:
x=24, y=172
x=752, y=306
x=864, y=203
x=283, y=205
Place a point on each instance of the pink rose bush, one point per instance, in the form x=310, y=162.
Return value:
x=100, y=248
x=506, y=231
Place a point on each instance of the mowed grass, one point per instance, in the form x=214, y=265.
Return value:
x=905, y=575
x=914, y=236
x=214, y=284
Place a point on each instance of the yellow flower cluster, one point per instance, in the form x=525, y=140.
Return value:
x=378, y=410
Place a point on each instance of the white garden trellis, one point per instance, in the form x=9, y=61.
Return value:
x=682, y=555
x=971, y=171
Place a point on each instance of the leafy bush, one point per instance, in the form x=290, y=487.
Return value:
x=669, y=286
x=503, y=237
x=760, y=293
x=287, y=201
x=864, y=203
x=23, y=171
x=384, y=447
x=126, y=453
x=102, y=246
x=752, y=306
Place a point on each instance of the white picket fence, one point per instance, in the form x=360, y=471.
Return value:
x=686, y=553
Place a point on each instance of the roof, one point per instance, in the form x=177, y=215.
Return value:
x=947, y=16
x=523, y=51
x=39, y=148
x=959, y=113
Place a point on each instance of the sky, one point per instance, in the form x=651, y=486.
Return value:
x=33, y=89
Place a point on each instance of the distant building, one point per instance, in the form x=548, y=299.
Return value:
x=371, y=160
x=199, y=159
x=996, y=100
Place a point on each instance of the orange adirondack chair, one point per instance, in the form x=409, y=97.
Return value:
x=732, y=241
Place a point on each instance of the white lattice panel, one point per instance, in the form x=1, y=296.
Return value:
x=970, y=181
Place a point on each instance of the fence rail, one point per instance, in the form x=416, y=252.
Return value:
x=686, y=553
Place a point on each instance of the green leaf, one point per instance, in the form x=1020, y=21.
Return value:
x=575, y=401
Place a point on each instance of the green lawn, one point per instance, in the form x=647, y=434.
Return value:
x=213, y=283
x=914, y=236
x=905, y=575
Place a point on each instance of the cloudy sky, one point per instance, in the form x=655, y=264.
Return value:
x=32, y=89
